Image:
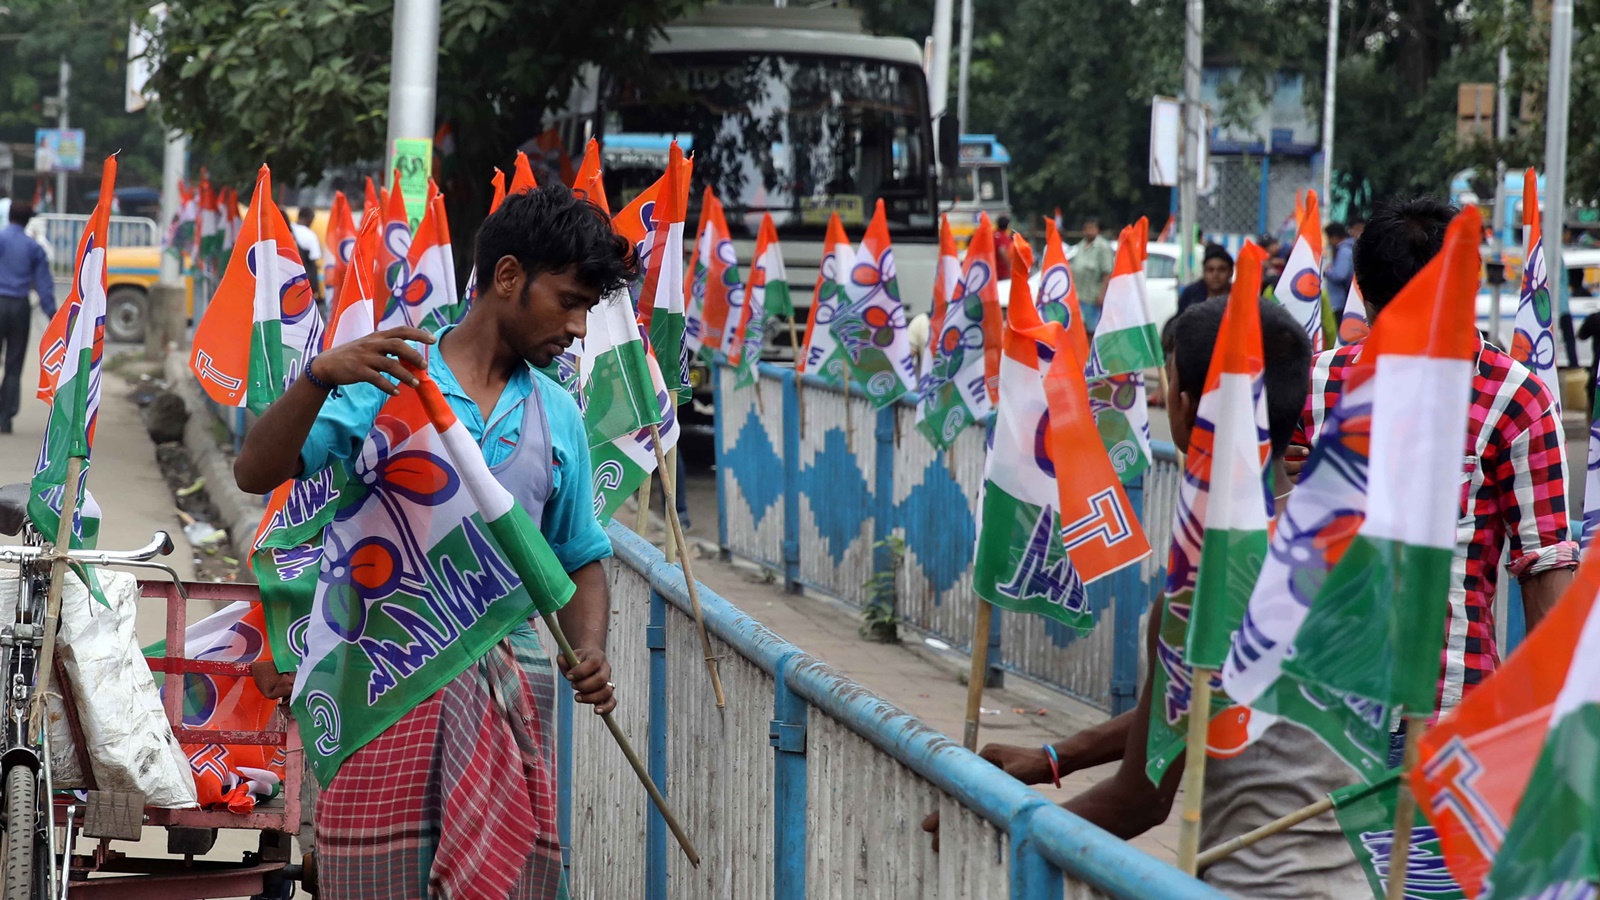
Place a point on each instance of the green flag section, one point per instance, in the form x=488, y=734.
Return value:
x=870, y=325
x=662, y=304
x=623, y=466
x=429, y=563
x=287, y=577
x=822, y=356
x=619, y=397
x=1122, y=416
x=1126, y=340
x=1377, y=627
x=769, y=286
x=1366, y=816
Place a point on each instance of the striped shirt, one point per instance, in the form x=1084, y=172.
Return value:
x=1513, y=494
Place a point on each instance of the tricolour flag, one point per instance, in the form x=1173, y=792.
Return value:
x=1533, y=343
x=769, y=287
x=662, y=305
x=429, y=563
x=871, y=323
x=1366, y=816
x=1054, y=516
x=394, y=260
x=341, y=243
x=180, y=233
x=1119, y=402
x=262, y=324
x=716, y=293
x=427, y=299
x=954, y=390
x=1126, y=339
x=1353, y=325
x=1376, y=628
x=1475, y=766
x=1299, y=288
x=619, y=396
x=822, y=355
x=623, y=465
x=1058, y=291
x=946, y=282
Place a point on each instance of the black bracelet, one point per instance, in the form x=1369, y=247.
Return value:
x=316, y=382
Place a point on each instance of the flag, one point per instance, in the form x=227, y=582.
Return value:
x=1533, y=343
x=262, y=325
x=954, y=390
x=232, y=224
x=429, y=563
x=470, y=295
x=1353, y=325
x=871, y=324
x=373, y=204
x=341, y=243
x=716, y=293
x=1219, y=534
x=822, y=355
x=1475, y=765
x=1299, y=288
x=769, y=288
x=498, y=183
x=1120, y=405
x=1366, y=816
x=623, y=465
x=589, y=182
x=427, y=299
x=208, y=253
x=662, y=305
x=619, y=396
x=522, y=175
x=1126, y=339
x=946, y=282
x=1058, y=292
x=394, y=261
x=1377, y=626
x=71, y=352
x=1053, y=515
x=181, y=231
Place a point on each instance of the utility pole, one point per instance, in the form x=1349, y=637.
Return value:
x=1502, y=129
x=965, y=63
x=61, y=123
x=1189, y=154
x=1555, y=143
x=164, y=317
x=413, y=71
x=1330, y=80
x=939, y=66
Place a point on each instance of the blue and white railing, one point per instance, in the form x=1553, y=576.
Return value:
x=812, y=482
x=807, y=785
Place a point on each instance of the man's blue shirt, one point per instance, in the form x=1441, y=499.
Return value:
x=24, y=265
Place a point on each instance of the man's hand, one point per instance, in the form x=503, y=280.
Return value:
x=274, y=685
x=370, y=358
x=1294, y=459
x=591, y=679
x=1029, y=766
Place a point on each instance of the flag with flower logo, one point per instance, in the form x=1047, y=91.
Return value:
x=716, y=292
x=871, y=323
x=1299, y=288
x=954, y=391
x=1533, y=342
x=821, y=354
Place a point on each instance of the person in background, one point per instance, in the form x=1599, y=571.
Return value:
x=1216, y=279
x=23, y=266
x=1091, y=269
x=5, y=206
x=1356, y=226
x=1272, y=266
x=310, y=252
x=1002, y=248
x=1341, y=266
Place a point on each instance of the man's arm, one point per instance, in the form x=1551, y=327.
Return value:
x=584, y=620
x=43, y=284
x=1088, y=748
x=1532, y=475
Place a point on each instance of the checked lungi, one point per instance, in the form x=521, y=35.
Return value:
x=457, y=800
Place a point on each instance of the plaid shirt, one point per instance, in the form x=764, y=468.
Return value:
x=1513, y=488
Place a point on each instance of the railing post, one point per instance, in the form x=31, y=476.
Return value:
x=1032, y=876
x=788, y=735
x=655, y=859
x=564, y=777
x=791, y=481
x=1130, y=594
x=719, y=425
x=883, y=489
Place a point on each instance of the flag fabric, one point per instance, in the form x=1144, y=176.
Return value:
x=71, y=353
x=1353, y=325
x=395, y=259
x=373, y=203
x=1058, y=292
x=954, y=390
x=208, y=235
x=623, y=465
x=662, y=305
x=769, y=289
x=822, y=354
x=341, y=243
x=522, y=175
x=429, y=563
x=427, y=297
x=1533, y=342
x=1119, y=401
x=870, y=325
x=1377, y=627
x=1054, y=516
x=1366, y=816
x=619, y=396
x=1591, y=481
x=232, y=223
x=262, y=324
x=1476, y=764
x=589, y=181
x=716, y=293
x=1299, y=288
x=946, y=283
x=1126, y=340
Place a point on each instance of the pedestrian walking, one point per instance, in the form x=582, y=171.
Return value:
x=24, y=266
x=1216, y=279
x=1091, y=271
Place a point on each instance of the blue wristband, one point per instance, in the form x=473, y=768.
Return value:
x=316, y=382
x=1055, y=764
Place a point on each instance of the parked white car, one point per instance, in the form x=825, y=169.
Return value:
x=1581, y=307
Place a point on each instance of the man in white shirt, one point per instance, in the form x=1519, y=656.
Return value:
x=310, y=250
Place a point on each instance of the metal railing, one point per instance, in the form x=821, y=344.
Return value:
x=807, y=785
x=62, y=232
x=815, y=484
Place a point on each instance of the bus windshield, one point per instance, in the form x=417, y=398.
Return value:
x=797, y=136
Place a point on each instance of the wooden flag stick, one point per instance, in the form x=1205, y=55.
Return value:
x=1194, y=771
x=58, y=575
x=675, y=527
x=975, y=679
x=1276, y=826
x=799, y=386
x=670, y=477
x=628, y=752
x=641, y=499
x=849, y=431
x=1405, y=811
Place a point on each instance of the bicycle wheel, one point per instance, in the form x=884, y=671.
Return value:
x=21, y=816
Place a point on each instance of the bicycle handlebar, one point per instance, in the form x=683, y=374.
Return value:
x=160, y=545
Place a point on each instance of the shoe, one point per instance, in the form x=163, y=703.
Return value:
x=5, y=427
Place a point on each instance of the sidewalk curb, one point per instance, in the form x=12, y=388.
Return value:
x=241, y=512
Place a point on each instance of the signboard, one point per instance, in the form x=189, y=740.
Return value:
x=1166, y=137
x=58, y=150
x=817, y=210
x=413, y=164
x=140, y=68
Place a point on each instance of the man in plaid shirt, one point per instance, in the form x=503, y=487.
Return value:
x=1513, y=483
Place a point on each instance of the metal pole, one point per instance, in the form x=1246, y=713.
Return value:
x=1555, y=143
x=413, y=71
x=1189, y=156
x=1329, y=84
x=171, y=173
x=939, y=65
x=1502, y=128
x=62, y=88
x=965, y=62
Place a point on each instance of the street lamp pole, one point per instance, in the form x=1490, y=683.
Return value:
x=1555, y=142
x=1189, y=159
x=413, y=71
x=61, y=122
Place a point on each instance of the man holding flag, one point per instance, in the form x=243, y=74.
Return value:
x=401, y=816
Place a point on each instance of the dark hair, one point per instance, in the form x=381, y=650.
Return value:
x=1357, y=222
x=551, y=229
x=20, y=212
x=1336, y=230
x=1003, y=223
x=1400, y=238
x=1191, y=336
x=306, y=215
x=1217, y=251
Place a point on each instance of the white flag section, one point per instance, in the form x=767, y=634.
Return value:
x=624, y=464
x=619, y=396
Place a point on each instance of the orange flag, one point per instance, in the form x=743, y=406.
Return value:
x=522, y=175
x=1058, y=292
x=589, y=182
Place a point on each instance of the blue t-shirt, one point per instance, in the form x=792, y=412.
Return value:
x=569, y=522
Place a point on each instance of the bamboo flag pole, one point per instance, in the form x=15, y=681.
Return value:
x=980, y=668
x=1194, y=771
x=670, y=475
x=1276, y=826
x=849, y=432
x=641, y=499
x=58, y=574
x=799, y=384
x=628, y=752
x=1405, y=811
x=675, y=527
